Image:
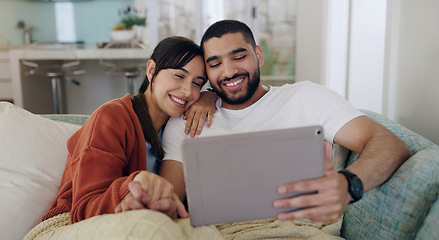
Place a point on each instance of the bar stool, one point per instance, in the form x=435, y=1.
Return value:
x=57, y=71
x=129, y=72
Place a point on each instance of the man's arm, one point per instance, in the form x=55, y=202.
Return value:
x=173, y=172
x=381, y=153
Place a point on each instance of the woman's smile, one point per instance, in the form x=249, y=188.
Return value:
x=178, y=101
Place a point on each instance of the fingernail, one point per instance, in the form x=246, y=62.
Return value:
x=277, y=204
x=282, y=217
x=282, y=189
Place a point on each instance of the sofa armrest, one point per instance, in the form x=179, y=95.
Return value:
x=398, y=208
x=429, y=229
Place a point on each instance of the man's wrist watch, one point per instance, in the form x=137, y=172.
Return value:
x=355, y=186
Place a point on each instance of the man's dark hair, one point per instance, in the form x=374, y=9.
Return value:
x=223, y=27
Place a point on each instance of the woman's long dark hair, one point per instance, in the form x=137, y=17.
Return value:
x=171, y=52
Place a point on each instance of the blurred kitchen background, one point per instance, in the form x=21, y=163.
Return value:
x=381, y=55
x=85, y=23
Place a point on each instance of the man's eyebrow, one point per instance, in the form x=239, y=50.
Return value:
x=238, y=51
x=209, y=59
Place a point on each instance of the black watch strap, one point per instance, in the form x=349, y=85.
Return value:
x=355, y=186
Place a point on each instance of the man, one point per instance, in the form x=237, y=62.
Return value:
x=232, y=63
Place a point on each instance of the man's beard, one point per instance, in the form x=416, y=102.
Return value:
x=252, y=85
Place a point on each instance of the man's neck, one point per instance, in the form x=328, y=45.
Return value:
x=259, y=93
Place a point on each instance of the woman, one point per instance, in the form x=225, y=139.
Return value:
x=107, y=162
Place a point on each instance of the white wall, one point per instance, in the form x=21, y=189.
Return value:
x=310, y=41
x=417, y=74
x=337, y=45
x=389, y=62
x=366, y=54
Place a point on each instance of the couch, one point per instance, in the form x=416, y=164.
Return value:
x=404, y=207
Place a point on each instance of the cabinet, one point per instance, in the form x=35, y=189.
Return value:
x=6, y=93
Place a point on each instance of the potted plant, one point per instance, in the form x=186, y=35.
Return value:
x=130, y=25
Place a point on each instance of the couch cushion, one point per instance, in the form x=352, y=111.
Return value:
x=33, y=153
x=78, y=119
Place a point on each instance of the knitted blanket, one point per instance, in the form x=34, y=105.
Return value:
x=146, y=224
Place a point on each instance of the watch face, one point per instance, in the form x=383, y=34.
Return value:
x=356, y=188
x=355, y=185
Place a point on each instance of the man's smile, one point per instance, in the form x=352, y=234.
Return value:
x=235, y=82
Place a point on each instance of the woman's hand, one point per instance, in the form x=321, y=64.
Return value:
x=150, y=191
x=196, y=115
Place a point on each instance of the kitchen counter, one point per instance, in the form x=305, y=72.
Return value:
x=87, y=53
x=6, y=47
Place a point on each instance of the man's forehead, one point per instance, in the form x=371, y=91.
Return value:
x=225, y=44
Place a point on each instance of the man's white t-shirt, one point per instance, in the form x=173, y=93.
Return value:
x=291, y=105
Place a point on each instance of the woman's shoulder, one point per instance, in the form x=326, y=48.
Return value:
x=119, y=106
x=117, y=112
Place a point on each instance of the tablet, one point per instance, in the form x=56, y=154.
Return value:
x=232, y=178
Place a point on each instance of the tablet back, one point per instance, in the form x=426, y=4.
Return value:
x=235, y=177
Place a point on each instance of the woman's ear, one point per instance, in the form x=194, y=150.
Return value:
x=150, y=69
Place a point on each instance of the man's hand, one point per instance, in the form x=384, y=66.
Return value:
x=150, y=191
x=196, y=115
x=328, y=204
x=171, y=207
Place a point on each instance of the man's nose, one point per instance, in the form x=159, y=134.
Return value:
x=229, y=69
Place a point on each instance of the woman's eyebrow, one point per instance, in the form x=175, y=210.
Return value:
x=202, y=78
x=184, y=70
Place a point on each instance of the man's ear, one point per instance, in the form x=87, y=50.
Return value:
x=259, y=55
x=150, y=69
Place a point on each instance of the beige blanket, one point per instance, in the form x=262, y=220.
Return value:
x=146, y=224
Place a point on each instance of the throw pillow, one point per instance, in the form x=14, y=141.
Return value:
x=33, y=153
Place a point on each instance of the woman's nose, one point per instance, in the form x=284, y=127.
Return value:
x=186, y=88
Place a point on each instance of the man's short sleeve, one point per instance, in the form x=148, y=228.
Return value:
x=331, y=110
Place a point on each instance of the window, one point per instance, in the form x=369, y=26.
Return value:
x=273, y=23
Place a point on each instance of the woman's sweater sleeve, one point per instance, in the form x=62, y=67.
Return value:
x=98, y=169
